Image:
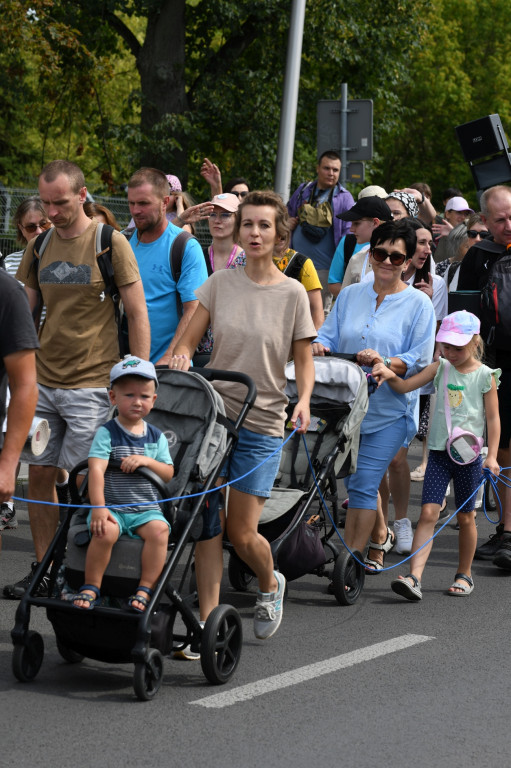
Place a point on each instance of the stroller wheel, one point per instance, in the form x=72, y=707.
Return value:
x=148, y=675
x=221, y=642
x=348, y=578
x=28, y=657
x=239, y=578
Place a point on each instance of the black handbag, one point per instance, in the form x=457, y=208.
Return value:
x=302, y=552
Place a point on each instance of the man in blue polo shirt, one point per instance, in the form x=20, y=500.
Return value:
x=148, y=197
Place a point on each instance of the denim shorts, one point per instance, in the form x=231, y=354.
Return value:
x=128, y=522
x=251, y=450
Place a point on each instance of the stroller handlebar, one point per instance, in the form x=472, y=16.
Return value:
x=343, y=355
x=372, y=384
x=78, y=498
x=212, y=374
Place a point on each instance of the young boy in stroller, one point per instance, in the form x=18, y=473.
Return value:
x=135, y=443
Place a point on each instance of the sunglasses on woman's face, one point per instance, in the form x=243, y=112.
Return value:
x=472, y=233
x=34, y=227
x=380, y=255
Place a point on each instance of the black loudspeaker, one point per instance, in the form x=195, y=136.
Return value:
x=482, y=137
x=496, y=170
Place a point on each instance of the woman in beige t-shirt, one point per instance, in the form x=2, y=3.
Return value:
x=259, y=317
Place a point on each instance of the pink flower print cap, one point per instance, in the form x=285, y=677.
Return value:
x=458, y=328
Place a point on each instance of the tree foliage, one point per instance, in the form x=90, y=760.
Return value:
x=113, y=84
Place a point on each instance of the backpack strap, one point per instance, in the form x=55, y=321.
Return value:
x=205, y=251
x=350, y=242
x=176, y=254
x=295, y=265
x=305, y=185
x=104, y=234
x=39, y=248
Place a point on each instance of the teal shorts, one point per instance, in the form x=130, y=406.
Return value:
x=128, y=522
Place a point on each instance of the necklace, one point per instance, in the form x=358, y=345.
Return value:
x=229, y=260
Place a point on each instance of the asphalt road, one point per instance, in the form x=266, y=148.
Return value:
x=384, y=682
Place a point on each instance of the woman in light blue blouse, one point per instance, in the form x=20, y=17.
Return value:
x=390, y=322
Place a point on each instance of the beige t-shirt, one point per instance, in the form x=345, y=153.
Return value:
x=254, y=327
x=79, y=342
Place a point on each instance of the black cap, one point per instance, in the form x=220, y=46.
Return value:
x=367, y=208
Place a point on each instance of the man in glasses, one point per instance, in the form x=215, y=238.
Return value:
x=475, y=271
x=170, y=298
x=314, y=210
x=367, y=214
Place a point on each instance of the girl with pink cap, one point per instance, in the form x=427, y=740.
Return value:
x=466, y=397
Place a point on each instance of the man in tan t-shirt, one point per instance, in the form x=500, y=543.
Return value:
x=79, y=341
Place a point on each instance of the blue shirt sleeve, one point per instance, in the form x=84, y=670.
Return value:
x=101, y=447
x=163, y=453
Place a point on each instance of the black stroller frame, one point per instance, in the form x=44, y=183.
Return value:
x=304, y=539
x=116, y=635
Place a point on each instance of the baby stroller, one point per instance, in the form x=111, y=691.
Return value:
x=301, y=532
x=191, y=415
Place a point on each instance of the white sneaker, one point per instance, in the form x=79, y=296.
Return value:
x=404, y=536
x=186, y=653
x=268, y=609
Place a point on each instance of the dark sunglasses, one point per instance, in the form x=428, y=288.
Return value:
x=34, y=227
x=240, y=194
x=472, y=233
x=380, y=255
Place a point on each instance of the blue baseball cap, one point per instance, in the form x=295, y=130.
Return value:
x=133, y=366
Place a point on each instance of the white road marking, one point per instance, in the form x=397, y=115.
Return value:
x=309, y=672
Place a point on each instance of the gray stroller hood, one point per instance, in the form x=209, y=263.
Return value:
x=340, y=395
x=186, y=411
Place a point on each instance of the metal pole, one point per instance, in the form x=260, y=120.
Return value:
x=344, y=133
x=287, y=127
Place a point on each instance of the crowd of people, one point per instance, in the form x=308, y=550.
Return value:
x=323, y=274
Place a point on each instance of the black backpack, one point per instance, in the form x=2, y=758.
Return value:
x=496, y=298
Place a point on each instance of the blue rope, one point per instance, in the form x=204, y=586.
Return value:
x=161, y=501
x=488, y=476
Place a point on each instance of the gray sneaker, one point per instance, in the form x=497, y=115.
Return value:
x=268, y=609
x=404, y=536
x=7, y=517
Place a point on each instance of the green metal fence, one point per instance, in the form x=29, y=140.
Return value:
x=11, y=197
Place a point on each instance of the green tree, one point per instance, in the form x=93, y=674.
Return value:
x=165, y=82
x=460, y=71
